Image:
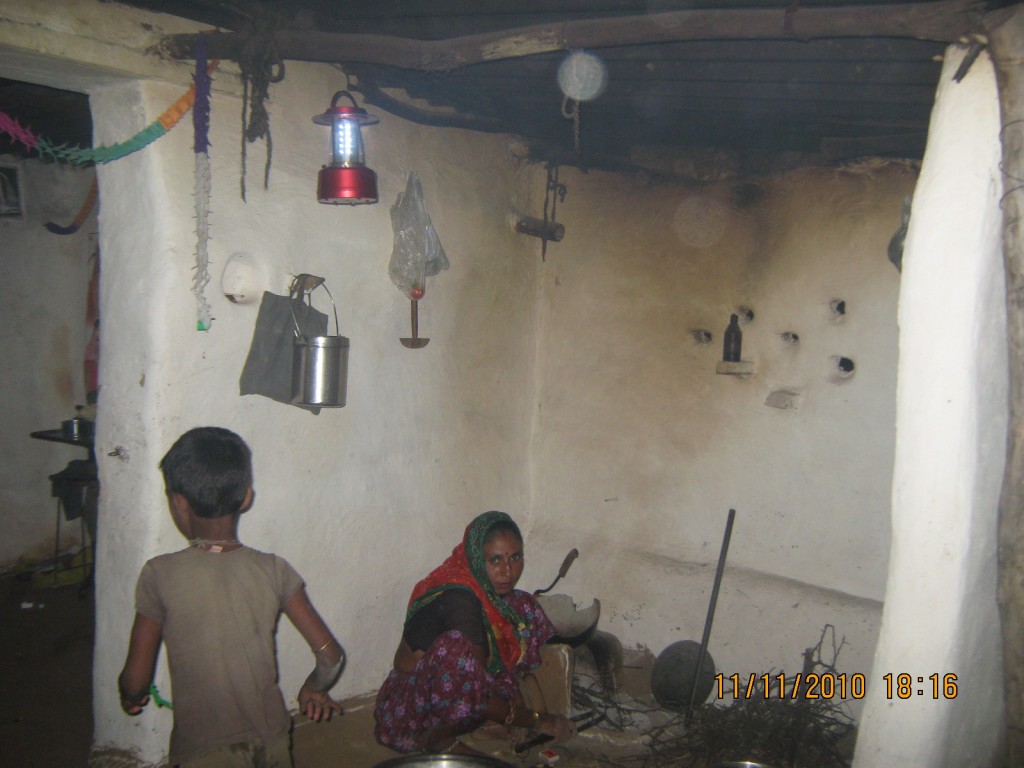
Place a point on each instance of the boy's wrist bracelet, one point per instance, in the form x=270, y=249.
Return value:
x=323, y=676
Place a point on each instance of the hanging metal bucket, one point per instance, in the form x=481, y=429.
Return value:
x=319, y=363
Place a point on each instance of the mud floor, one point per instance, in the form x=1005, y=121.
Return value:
x=46, y=647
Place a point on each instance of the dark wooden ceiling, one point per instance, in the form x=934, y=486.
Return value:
x=750, y=77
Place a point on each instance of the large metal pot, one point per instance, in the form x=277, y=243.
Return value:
x=443, y=761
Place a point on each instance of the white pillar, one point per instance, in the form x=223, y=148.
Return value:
x=940, y=614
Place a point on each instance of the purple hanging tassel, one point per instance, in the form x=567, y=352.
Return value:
x=201, y=129
x=201, y=108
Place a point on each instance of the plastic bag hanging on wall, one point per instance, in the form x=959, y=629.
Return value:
x=417, y=253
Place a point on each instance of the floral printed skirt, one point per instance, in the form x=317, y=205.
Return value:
x=449, y=686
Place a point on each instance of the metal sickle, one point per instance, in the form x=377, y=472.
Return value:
x=573, y=554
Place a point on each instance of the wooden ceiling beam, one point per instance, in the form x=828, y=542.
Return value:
x=658, y=70
x=642, y=112
x=638, y=116
x=916, y=100
x=830, y=49
x=846, y=147
x=383, y=11
x=945, y=21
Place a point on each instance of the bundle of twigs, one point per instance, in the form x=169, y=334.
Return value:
x=783, y=733
x=618, y=715
x=790, y=732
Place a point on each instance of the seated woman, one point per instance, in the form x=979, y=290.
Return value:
x=469, y=637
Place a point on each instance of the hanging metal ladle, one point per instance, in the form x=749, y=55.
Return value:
x=417, y=341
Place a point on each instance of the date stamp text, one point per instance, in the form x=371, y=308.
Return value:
x=829, y=685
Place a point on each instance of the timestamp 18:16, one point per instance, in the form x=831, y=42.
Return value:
x=902, y=686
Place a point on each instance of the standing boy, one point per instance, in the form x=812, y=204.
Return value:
x=215, y=607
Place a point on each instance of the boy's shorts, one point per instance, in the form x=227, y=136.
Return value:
x=257, y=753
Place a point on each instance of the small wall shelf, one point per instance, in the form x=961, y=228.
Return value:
x=741, y=368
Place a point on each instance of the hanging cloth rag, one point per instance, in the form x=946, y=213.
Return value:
x=268, y=368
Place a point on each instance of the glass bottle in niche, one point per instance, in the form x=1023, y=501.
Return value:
x=733, y=341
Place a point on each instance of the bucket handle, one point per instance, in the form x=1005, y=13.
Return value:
x=304, y=285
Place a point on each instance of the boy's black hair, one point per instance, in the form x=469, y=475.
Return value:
x=211, y=467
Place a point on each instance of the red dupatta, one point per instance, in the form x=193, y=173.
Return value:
x=465, y=569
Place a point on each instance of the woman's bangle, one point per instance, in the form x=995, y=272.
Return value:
x=536, y=718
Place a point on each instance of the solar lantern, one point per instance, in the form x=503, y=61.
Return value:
x=347, y=180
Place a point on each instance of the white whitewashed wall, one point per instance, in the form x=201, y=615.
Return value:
x=940, y=609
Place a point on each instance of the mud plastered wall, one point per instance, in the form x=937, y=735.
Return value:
x=45, y=278
x=641, y=447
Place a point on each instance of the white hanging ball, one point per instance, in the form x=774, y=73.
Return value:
x=582, y=76
x=244, y=278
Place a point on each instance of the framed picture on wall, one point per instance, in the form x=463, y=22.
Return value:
x=12, y=201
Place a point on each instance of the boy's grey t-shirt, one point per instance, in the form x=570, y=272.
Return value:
x=219, y=612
